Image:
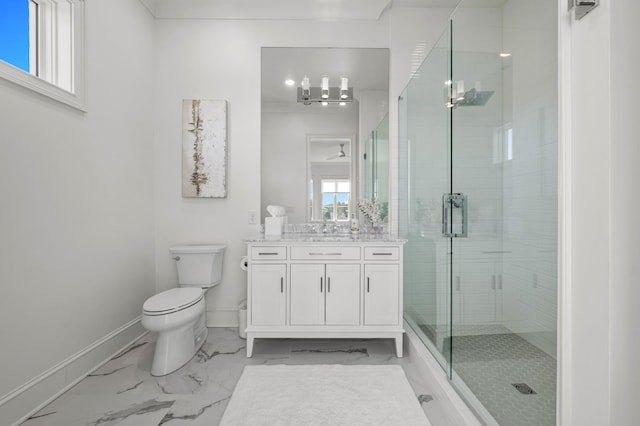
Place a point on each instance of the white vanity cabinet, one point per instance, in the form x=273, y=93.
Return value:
x=324, y=290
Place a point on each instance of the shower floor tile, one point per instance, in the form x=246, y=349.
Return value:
x=491, y=364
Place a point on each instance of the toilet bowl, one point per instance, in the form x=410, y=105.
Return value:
x=173, y=314
x=178, y=314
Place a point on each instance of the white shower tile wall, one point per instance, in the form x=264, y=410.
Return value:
x=530, y=183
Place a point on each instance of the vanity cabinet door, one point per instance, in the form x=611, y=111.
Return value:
x=268, y=294
x=342, y=294
x=325, y=294
x=381, y=293
x=307, y=294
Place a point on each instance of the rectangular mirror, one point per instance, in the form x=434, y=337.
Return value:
x=303, y=141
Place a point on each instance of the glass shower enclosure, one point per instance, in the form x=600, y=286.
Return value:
x=478, y=206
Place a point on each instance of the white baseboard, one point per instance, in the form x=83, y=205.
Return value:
x=222, y=317
x=27, y=399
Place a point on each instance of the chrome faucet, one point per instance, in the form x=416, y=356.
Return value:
x=328, y=228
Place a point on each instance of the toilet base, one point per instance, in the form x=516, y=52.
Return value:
x=175, y=348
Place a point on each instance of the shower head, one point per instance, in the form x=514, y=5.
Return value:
x=474, y=98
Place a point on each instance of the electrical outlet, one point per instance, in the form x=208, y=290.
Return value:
x=253, y=217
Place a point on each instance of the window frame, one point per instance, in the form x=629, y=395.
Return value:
x=53, y=57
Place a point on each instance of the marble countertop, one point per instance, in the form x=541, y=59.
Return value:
x=325, y=238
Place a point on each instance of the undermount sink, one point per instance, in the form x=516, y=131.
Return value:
x=313, y=233
x=329, y=237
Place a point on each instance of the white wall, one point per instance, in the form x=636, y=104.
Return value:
x=601, y=312
x=625, y=205
x=76, y=223
x=590, y=290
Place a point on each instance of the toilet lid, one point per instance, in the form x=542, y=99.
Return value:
x=173, y=300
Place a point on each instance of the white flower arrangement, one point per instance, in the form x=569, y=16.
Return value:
x=370, y=209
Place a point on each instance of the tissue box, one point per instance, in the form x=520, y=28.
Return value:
x=274, y=225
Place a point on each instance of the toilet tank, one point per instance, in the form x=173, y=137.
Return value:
x=199, y=265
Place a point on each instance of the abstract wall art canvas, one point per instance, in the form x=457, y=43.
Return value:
x=204, y=148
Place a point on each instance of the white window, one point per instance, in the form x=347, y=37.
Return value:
x=56, y=45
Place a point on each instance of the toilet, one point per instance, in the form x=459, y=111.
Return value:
x=178, y=314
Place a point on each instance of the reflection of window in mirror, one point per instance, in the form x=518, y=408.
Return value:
x=335, y=200
x=41, y=47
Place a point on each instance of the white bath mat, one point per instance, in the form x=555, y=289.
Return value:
x=323, y=395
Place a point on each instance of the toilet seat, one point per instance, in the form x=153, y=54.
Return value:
x=173, y=300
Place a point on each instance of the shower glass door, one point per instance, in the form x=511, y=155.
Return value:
x=478, y=184
x=424, y=177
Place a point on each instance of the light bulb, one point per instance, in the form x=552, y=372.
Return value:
x=325, y=87
x=344, y=88
x=306, y=91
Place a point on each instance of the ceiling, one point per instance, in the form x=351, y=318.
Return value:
x=320, y=10
x=356, y=64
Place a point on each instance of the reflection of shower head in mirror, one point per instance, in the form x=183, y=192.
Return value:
x=474, y=98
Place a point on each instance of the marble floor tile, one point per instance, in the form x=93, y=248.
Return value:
x=123, y=392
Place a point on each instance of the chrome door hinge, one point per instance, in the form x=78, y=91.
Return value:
x=582, y=7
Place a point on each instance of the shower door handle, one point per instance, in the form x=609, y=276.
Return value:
x=452, y=203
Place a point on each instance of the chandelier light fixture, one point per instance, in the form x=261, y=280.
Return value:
x=325, y=94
